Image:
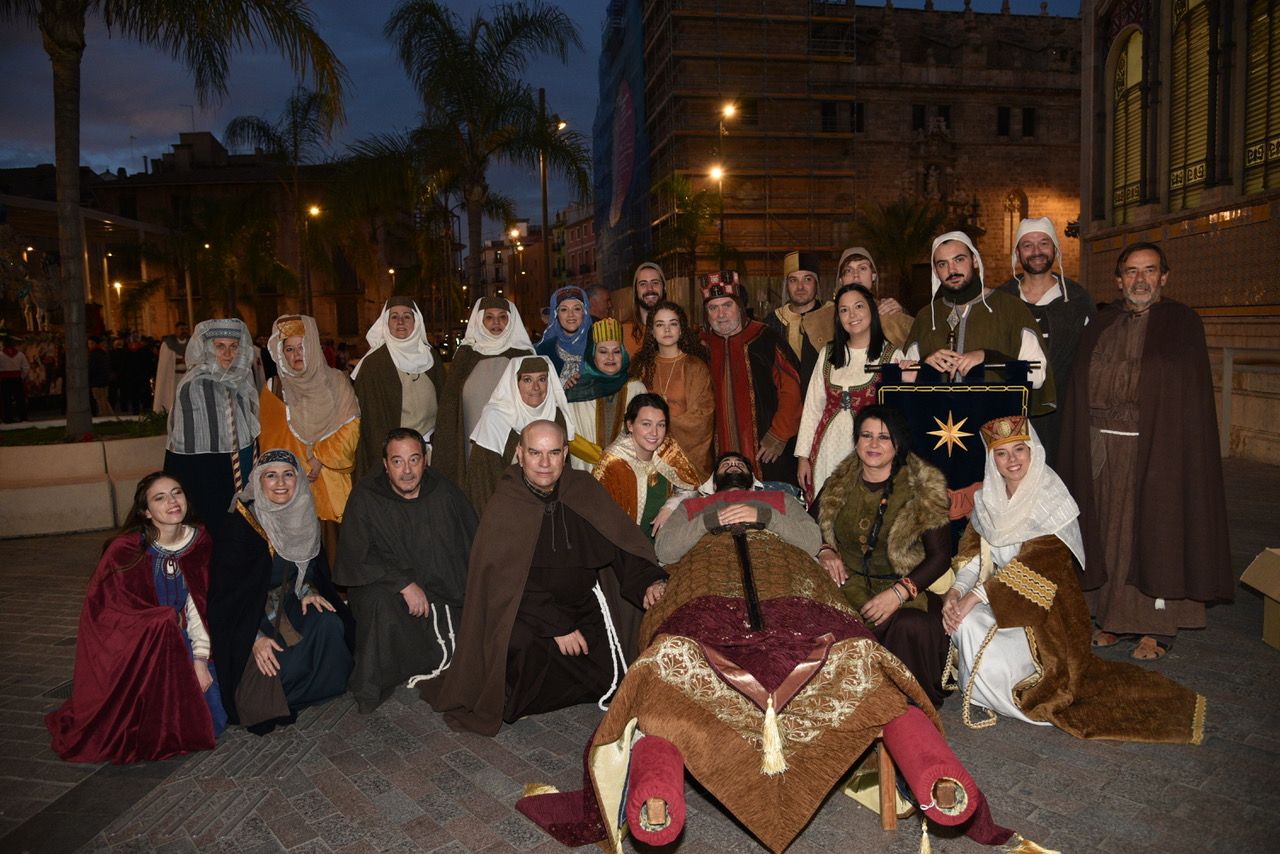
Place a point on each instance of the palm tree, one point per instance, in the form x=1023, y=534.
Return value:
x=474, y=102
x=899, y=235
x=296, y=138
x=407, y=188
x=693, y=211
x=202, y=36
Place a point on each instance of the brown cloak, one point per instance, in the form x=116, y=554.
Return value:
x=1076, y=691
x=380, y=394
x=1181, y=517
x=472, y=691
x=449, y=445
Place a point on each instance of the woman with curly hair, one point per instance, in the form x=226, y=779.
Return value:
x=672, y=362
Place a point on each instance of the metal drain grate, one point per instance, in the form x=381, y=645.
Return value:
x=59, y=692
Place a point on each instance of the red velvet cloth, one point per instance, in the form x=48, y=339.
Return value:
x=772, y=653
x=571, y=818
x=134, y=693
x=656, y=771
x=924, y=757
x=775, y=499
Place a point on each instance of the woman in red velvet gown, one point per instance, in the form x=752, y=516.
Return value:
x=144, y=687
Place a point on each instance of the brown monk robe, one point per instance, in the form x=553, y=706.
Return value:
x=534, y=564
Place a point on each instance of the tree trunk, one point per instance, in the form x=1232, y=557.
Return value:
x=62, y=28
x=475, y=242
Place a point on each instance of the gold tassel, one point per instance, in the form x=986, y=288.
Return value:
x=1017, y=844
x=925, y=847
x=531, y=789
x=774, y=762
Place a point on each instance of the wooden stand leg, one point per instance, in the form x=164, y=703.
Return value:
x=888, y=788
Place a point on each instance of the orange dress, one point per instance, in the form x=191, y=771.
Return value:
x=684, y=381
x=336, y=453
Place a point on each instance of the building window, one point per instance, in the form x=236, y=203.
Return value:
x=857, y=117
x=943, y=114
x=829, y=117
x=1126, y=140
x=917, y=116
x=748, y=113
x=1028, y=121
x=1189, y=118
x=1262, y=98
x=1002, y=121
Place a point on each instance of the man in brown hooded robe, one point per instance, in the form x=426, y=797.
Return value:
x=535, y=636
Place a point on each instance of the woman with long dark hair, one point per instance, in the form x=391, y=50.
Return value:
x=144, y=687
x=887, y=542
x=673, y=362
x=840, y=386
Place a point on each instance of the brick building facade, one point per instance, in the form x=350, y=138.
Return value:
x=839, y=105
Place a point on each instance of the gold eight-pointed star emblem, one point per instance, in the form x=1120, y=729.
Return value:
x=950, y=434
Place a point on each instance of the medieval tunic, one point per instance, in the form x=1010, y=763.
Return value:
x=1062, y=315
x=1139, y=452
x=684, y=381
x=914, y=542
x=834, y=397
x=997, y=323
x=336, y=452
x=213, y=426
x=806, y=334
x=473, y=374
x=757, y=391
x=390, y=398
x=135, y=696
x=598, y=422
x=253, y=591
x=643, y=487
x=531, y=571
x=389, y=541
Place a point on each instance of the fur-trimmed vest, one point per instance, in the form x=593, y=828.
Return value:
x=927, y=507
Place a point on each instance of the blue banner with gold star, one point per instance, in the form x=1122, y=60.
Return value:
x=945, y=421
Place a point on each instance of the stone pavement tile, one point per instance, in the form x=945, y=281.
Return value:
x=425, y=832
x=337, y=832
x=475, y=835
x=442, y=808
x=344, y=795
x=312, y=805
x=486, y=807
x=290, y=828
x=518, y=832
x=359, y=847
x=314, y=846
x=396, y=807
x=454, y=847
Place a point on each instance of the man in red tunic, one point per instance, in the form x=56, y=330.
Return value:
x=756, y=380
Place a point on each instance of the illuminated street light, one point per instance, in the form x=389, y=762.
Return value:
x=313, y=211
x=117, y=286
x=717, y=175
x=728, y=110
x=206, y=246
x=513, y=233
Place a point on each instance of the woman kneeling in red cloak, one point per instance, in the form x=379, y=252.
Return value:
x=144, y=688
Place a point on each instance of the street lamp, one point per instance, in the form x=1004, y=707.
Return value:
x=313, y=211
x=717, y=175
x=727, y=111
x=391, y=271
x=558, y=124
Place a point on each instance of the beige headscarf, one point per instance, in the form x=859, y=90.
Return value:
x=320, y=399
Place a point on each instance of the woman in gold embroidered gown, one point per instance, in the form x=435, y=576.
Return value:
x=1018, y=620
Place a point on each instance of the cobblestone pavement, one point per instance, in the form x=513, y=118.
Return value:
x=399, y=781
